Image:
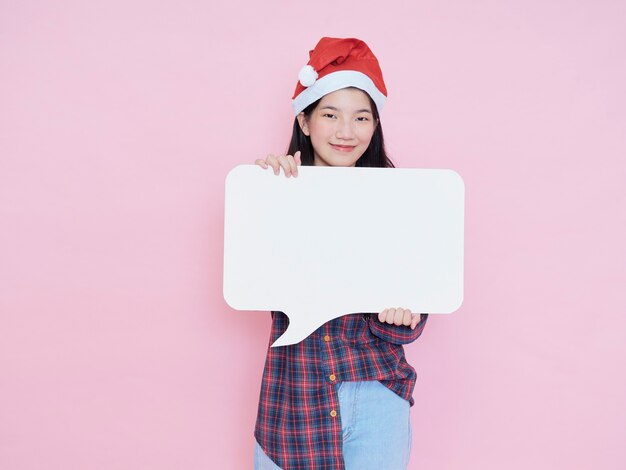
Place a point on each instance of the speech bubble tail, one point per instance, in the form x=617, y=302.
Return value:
x=286, y=339
x=300, y=326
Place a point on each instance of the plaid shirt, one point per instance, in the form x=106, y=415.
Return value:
x=298, y=422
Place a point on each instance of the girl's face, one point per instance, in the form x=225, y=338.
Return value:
x=340, y=127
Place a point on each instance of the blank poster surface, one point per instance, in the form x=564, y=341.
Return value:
x=335, y=241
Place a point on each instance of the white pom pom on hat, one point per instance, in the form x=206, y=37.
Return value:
x=307, y=76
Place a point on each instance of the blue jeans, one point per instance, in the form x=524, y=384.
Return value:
x=376, y=428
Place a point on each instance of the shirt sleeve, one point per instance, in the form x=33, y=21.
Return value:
x=397, y=334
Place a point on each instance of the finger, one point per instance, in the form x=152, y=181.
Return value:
x=292, y=165
x=297, y=162
x=407, y=318
x=382, y=316
x=391, y=313
x=285, y=164
x=273, y=162
x=262, y=163
x=416, y=319
x=397, y=319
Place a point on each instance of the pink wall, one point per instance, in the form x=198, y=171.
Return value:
x=118, y=123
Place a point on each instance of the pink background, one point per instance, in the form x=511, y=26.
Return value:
x=118, y=123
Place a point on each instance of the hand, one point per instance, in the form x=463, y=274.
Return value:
x=399, y=316
x=287, y=162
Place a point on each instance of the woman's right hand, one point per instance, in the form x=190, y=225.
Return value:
x=287, y=162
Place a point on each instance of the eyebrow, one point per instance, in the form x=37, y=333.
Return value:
x=364, y=110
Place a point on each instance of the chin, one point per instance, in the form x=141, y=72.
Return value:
x=344, y=162
x=339, y=160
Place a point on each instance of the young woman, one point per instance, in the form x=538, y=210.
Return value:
x=339, y=399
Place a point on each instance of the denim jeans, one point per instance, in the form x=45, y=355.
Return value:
x=376, y=428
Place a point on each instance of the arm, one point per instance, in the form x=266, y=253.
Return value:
x=397, y=334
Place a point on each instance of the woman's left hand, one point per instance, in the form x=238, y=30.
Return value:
x=399, y=316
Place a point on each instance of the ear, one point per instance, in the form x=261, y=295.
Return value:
x=304, y=127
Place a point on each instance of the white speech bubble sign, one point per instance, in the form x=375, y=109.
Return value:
x=340, y=240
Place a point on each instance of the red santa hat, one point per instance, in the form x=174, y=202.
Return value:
x=337, y=63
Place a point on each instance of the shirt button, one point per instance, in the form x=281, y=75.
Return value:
x=333, y=413
x=327, y=338
x=332, y=377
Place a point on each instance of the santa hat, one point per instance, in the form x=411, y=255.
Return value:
x=337, y=63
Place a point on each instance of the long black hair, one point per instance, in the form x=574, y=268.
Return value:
x=374, y=156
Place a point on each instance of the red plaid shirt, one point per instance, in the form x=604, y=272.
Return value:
x=298, y=423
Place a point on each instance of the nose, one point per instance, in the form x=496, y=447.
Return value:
x=345, y=129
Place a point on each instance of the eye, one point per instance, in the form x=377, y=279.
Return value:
x=362, y=119
x=329, y=115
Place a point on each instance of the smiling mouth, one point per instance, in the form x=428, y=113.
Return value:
x=343, y=148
